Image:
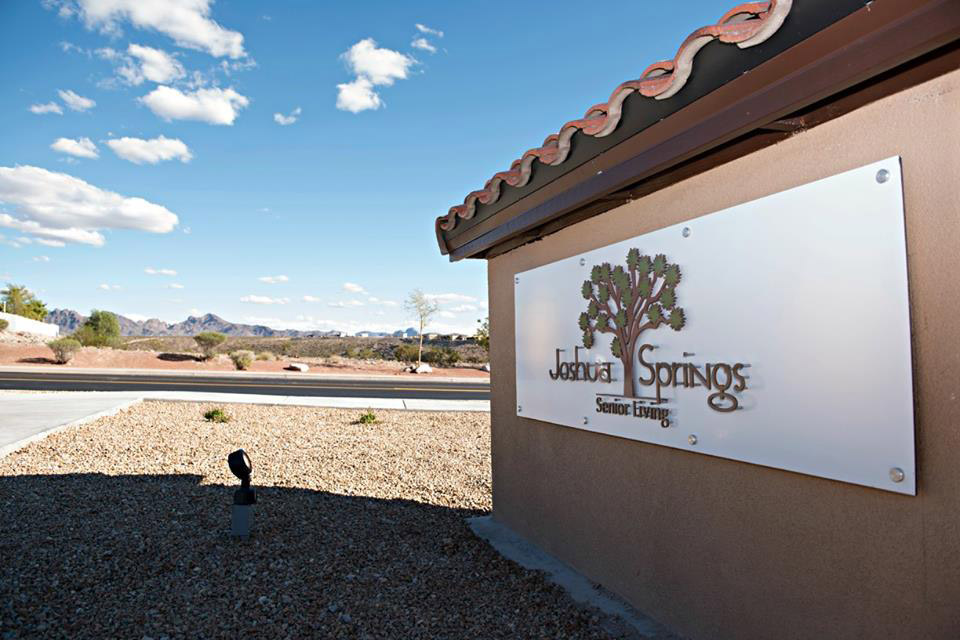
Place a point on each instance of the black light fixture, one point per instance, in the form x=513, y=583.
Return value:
x=243, y=498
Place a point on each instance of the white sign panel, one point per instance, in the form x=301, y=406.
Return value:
x=776, y=332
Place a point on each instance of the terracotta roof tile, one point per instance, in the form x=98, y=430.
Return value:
x=746, y=25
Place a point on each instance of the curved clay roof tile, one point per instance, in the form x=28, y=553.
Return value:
x=745, y=25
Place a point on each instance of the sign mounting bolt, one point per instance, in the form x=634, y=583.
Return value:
x=692, y=439
x=516, y=281
x=882, y=176
x=897, y=474
x=686, y=232
x=519, y=408
x=586, y=420
x=583, y=262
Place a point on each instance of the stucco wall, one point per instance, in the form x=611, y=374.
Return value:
x=26, y=325
x=722, y=549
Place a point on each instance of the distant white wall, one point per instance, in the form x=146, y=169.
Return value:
x=26, y=325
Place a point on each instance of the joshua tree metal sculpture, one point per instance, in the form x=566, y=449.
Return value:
x=627, y=302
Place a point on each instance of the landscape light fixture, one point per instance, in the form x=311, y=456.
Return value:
x=243, y=498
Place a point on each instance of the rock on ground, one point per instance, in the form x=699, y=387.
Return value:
x=119, y=528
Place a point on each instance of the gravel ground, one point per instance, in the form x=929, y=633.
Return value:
x=119, y=529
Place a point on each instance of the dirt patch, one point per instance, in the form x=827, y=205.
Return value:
x=39, y=355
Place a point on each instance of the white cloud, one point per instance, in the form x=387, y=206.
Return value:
x=357, y=96
x=463, y=308
x=188, y=22
x=214, y=106
x=311, y=299
x=57, y=206
x=109, y=287
x=345, y=304
x=353, y=287
x=385, y=303
x=49, y=107
x=174, y=285
x=50, y=243
x=264, y=300
x=156, y=65
x=447, y=314
x=380, y=66
x=443, y=298
x=424, y=44
x=274, y=279
x=283, y=120
x=141, y=63
x=136, y=317
x=422, y=28
x=81, y=147
x=373, y=66
x=159, y=272
x=75, y=101
x=41, y=258
x=152, y=151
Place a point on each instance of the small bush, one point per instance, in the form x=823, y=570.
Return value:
x=101, y=329
x=242, y=359
x=368, y=417
x=3, y=325
x=442, y=357
x=405, y=352
x=64, y=349
x=266, y=355
x=483, y=334
x=208, y=341
x=361, y=353
x=216, y=415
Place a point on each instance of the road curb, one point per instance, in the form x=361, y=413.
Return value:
x=238, y=374
x=319, y=402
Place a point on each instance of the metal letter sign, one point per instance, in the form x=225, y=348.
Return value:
x=776, y=332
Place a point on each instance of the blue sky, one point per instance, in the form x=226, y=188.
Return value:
x=286, y=160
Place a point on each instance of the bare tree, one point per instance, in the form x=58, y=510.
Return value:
x=420, y=307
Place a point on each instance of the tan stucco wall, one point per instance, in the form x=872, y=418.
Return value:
x=722, y=549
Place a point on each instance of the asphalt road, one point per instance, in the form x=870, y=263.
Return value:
x=405, y=388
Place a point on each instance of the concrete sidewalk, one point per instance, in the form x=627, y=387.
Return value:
x=27, y=417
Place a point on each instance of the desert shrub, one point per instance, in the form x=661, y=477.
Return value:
x=208, y=341
x=242, y=359
x=361, y=353
x=101, y=329
x=483, y=334
x=216, y=415
x=266, y=355
x=405, y=352
x=3, y=325
x=442, y=357
x=368, y=417
x=64, y=349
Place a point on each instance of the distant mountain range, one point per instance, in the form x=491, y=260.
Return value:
x=69, y=321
